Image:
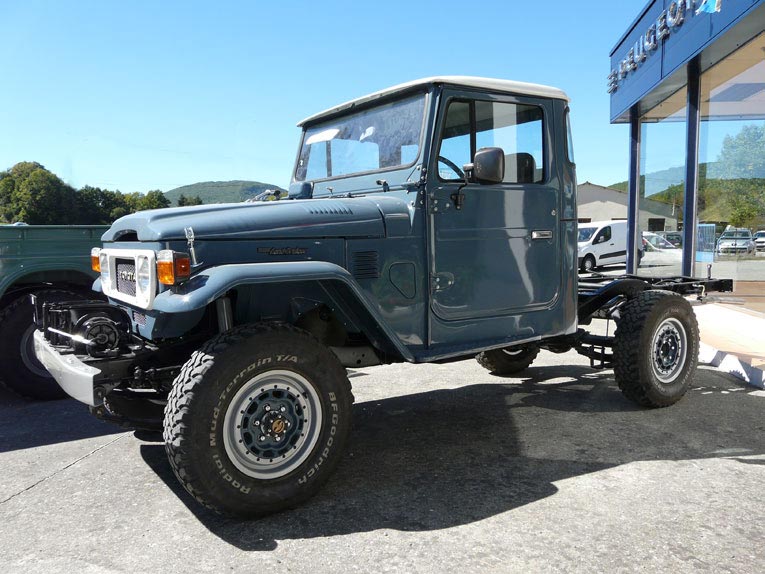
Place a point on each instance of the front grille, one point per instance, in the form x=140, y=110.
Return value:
x=126, y=276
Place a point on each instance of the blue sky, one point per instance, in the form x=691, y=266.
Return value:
x=153, y=95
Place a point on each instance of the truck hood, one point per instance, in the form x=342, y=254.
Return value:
x=347, y=217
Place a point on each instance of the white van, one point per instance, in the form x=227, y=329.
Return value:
x=602, y=243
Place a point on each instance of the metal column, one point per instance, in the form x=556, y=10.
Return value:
x=633, y=206
x=691, y=167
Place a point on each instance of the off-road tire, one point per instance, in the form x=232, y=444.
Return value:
x=197, y=418
x=588, y=264
x=508, y=361
x=640, y=351
x=20, y=371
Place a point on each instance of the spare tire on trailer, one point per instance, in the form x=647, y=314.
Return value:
x=656, y=348
x=20, y=371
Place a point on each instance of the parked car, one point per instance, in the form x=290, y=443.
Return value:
x=601, y=243
x=734, y=241
x=657, y=251
x=759, y=240
x=674, y=237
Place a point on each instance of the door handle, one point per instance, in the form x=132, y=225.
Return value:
x=545, y=234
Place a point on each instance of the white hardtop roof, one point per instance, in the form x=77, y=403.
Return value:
x=518, y=88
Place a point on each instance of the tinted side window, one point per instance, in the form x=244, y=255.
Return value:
x=516, y=128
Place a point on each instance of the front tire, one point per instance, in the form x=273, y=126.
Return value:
x=588, y=264
x=257, y=419
x=656, y=348
x=508, y=361
x=20, y=371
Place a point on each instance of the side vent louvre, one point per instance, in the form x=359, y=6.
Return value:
x=365, y=265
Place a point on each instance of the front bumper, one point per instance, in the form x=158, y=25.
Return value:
x=733, y=250
x=75, y=377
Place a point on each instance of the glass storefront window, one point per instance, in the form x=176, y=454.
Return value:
x=662, y=187
x=731, y=203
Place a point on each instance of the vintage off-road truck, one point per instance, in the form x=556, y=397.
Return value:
x=433, y=221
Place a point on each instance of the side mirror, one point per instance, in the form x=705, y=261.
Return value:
x=488, y=165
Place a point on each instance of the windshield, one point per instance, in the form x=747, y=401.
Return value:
x=586, y=233
x=735, y=235
x=384, y=137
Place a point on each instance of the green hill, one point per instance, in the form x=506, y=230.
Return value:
x=220, y=191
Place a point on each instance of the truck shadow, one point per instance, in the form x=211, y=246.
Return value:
x=444, y=458
x=29, y=424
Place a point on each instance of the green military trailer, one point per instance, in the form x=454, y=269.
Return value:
x=53, y=263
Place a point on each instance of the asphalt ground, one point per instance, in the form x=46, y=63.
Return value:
x=450, y=469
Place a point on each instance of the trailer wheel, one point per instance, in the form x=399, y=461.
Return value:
x=257, y=419
x=656, y=348
x=20, y=371
x=509, y=360
x=588, y=264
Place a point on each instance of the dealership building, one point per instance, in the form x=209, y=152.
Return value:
x=688, y=76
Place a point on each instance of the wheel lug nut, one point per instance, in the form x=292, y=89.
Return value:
x=283, y=409
x=257, y=423
x=268, y=407
x=278, y=439
x=262, y=437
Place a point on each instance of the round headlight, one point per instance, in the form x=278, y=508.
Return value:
x=143, y=274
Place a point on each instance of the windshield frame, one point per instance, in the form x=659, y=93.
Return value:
x=424, y=91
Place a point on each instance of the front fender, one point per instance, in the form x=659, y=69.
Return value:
x=337, y=282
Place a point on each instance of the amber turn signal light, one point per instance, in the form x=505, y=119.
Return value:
x=173, y=267
x=95, y=259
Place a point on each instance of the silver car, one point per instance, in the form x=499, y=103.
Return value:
x=735, y=241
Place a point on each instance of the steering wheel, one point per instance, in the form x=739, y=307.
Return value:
x=451, y=165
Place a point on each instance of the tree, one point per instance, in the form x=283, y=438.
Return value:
x=743, y=155
x=155, y=199
x=31, y=193
x=746, y=208
x=7, y=185
x=184, y=201
x=41, y=198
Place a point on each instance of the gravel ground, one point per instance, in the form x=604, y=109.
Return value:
x=450, y=469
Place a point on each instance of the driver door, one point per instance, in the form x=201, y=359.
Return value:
x=495, y=251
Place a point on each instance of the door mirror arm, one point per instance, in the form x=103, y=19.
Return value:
x=458, y=197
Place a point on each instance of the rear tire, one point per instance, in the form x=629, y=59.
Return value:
x=509, y=360
x=257, y=419
x=656, y=348
x=20, y=371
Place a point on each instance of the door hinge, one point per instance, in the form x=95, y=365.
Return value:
x=441, y=281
